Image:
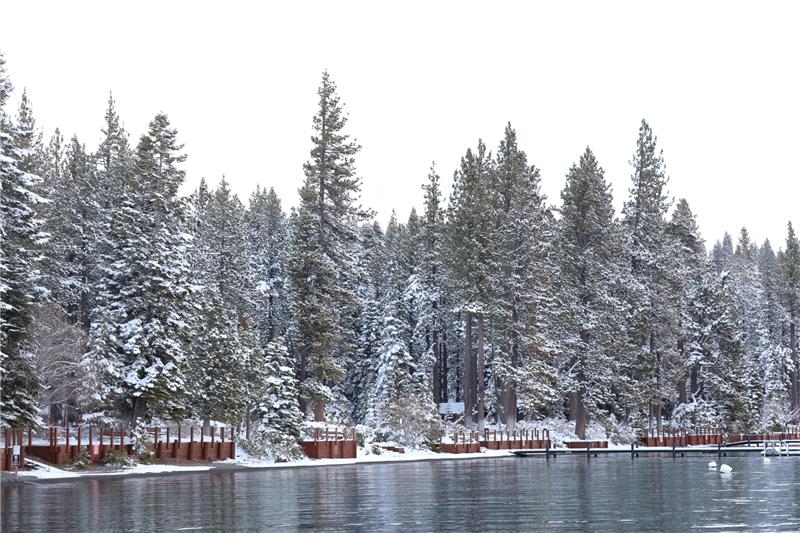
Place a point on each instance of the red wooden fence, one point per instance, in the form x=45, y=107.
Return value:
x=65, y=445
x=331, y=443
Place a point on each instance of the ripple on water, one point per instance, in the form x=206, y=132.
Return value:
x=602, y=494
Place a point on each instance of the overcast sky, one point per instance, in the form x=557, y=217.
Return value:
x=718, y=82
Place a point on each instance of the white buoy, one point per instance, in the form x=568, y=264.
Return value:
x=725, y=469
x=767, y=460
x=712, y=464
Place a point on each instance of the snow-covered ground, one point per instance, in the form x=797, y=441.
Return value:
x=45, y=471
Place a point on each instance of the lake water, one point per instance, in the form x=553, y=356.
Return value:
x=608, y=493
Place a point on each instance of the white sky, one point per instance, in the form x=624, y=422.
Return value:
x=718, y=82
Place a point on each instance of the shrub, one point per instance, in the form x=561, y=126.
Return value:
x=116, y=457
x=83, y=460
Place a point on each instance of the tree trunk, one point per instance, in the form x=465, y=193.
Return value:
x=682, y=397
x=481, y=377
x=796, y=364
x=659, y=418
x=437, y=381
x=511, y=389
x=319, y=411
x=581, y=418
x=572, y=414
x=445, y=394
x=247, y=421
x=511, y=407
x=469, y=377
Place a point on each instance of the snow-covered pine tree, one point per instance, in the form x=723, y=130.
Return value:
x=28, y=139
x=268, y=241
x=722, y=253
x=216, y=369
x=716, y=351
x=748, y=294
x=76, y=231
x=371, y=263
x=789, y=262
x=774, y=355
x=520, y=254
x=403, y=409
x=223, y=237
x=653, y=325
x=320, y=265
x=470, y=270
x=431, y=272
x=589, y=323
x=113, y=157
x=688, y=261
x=140, y=327
x=278, y=412
x=20, y=233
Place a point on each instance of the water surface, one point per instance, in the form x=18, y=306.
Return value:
x=608, y=493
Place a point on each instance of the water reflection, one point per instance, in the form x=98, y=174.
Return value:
x=574, y=493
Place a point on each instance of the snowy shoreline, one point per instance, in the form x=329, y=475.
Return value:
x=56, y=475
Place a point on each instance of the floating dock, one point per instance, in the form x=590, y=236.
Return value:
x=790, y=448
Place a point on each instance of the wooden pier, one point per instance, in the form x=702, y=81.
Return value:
x=719, y=450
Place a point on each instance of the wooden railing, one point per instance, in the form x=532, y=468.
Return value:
x=331, y=443
x=65, y=445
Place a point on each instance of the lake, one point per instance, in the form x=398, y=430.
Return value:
x=607, y=493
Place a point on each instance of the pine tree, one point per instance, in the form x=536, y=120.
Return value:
x=653, y=326
x=588, y=327
x=520, y=253
x=688, y=262
x=775, y=355
x=278, y=413
x=716, y=350
x=268, y=241
x=141, y=327
x=789, y=262
x=470, y=270
x=403, y=406
x=215, y=369
x=76, y=229
x=320, y=267
x=21, y=237
x=372, y=294
x=28, y=139
x=431, y=274
x=222, y=236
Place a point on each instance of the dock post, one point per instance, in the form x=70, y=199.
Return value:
x=547, y=451
x=632, y=451
x=673, y=448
